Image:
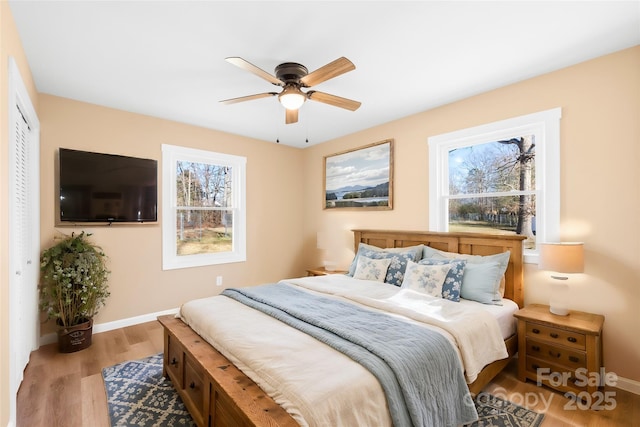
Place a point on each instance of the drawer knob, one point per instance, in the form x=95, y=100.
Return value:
x=572, y=339
x=535, y=331
x=551, y=353
x=174, y=361
x=574, y=359
x=553, y=335
x=535, y=366
x=535, y=348
x=192, y=385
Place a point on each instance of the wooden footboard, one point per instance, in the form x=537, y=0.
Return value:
x=214, y=391
x=217, y=394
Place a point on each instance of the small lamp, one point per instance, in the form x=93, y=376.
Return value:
x=323, y=242
x=561, y=258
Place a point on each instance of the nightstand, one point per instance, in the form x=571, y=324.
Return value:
x=567, y=349
x=321, y=271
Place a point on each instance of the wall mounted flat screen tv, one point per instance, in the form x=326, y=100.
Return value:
x=96, y=187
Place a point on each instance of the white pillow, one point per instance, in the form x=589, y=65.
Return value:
x=371, y=269
x=424, y=278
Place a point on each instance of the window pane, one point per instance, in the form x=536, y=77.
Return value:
x=203, y=185
x=497, y=166
x=204, y=231
x=496, y=215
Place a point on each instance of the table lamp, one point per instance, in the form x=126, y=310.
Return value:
x=323, y=242
x=561, y=259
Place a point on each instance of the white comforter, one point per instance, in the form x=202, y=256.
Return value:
x=317, y=385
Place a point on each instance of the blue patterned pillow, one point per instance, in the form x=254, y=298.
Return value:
x=453, y=283
x=397, y=267
x=501, y=258
x=371, y=269
x=424, y=278
x=415, y=250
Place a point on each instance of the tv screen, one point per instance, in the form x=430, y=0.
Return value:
x=97, y=187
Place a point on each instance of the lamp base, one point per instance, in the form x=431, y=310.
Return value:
x=330, y=265
x=560, y=311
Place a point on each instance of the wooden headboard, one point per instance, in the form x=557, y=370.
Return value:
x=463, y=243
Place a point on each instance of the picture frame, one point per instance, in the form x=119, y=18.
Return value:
x=360, y=178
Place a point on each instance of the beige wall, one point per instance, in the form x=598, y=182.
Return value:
x=137, y=282
x=10, y=46
x=600, y=185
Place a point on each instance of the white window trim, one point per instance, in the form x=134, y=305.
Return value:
x=171, y=154
x=545, y=124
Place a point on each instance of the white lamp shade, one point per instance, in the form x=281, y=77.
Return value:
x=322, y=240
x=292, y=98
x=562, y=257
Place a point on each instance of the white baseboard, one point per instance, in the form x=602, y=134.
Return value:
x=628, y=385
x=104, y=327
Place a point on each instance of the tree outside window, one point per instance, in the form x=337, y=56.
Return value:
x=491, y=188
x=499, y=178
x=203, y=208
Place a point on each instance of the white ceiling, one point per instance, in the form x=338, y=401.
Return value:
x=166, y=58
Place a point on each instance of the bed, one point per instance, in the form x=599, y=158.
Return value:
x=218, y=390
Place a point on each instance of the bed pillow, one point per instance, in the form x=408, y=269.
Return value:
x=424, y=278
x=453, y=282
x=478, y=283
x=416, y=250
x=371, y=269
x=502, y=259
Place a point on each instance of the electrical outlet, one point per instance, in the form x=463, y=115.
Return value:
x=219, y=281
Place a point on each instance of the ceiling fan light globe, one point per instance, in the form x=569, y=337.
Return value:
x=292, y=100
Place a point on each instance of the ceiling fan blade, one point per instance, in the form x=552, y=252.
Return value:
x=334, y=100
x=329, y=71
x=245, y=65
x=248, y=97
x=291, y=117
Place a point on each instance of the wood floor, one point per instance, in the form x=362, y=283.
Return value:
x=67, y=390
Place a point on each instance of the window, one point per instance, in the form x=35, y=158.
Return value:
x=502, y=177
x=203, y=208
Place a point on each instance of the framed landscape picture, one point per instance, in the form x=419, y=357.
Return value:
x=360, y=178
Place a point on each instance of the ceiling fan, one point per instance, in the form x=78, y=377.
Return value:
x=292, y=77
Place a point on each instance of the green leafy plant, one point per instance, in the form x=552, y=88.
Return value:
x=73, y=280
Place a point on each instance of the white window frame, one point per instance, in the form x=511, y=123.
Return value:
x=545, y=125
x=172, y=154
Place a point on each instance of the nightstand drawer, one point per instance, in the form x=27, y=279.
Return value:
x=556, y=336
x=556, y=354
x=556, y=376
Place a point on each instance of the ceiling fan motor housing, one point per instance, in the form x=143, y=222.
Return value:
x=291, y=72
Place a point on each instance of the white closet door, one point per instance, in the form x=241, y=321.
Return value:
x=20, y=245
x=24, y=230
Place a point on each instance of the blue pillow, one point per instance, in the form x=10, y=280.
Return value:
x=415, y=250
x=453, y=281
x=478, y=283
x=397, y=267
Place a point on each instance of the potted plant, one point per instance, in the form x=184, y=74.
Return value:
x=73, y=287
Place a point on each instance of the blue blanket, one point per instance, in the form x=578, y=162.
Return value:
x=417, y=367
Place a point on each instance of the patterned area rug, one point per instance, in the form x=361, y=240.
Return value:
x=138, y=395
x=496, y=412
